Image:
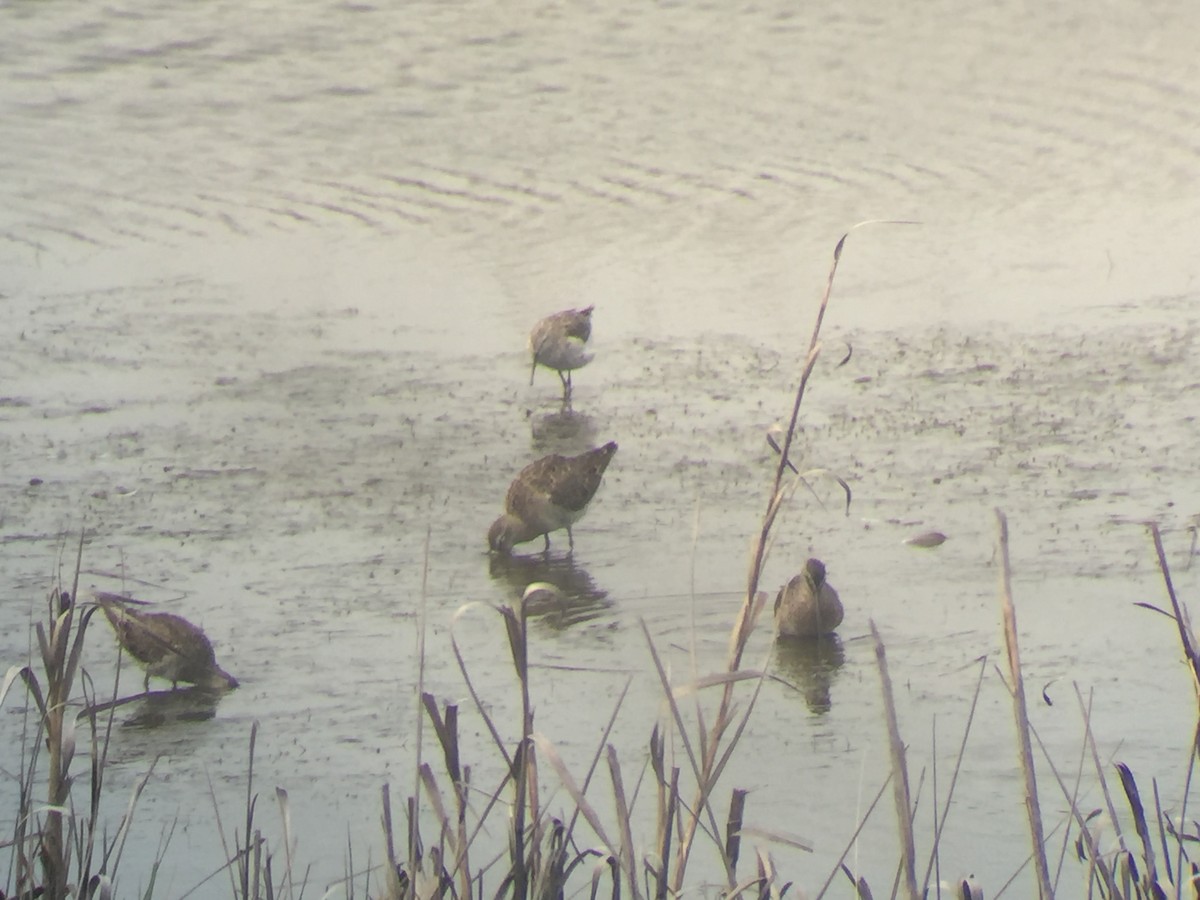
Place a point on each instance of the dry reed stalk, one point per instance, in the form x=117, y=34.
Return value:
x=446, y=730
x=712, y=756
x=522, y=768
x=711, y=738
x=627, y=857
x=61, y=848
x=1187, y=786
x=1186, y=639
x=900, y=787
x=1188, y=643
x=840, y=865
x=551, y=755
x=940, y=823
x=392, y=881
x=1089, y=737
x=1081, y=821
x=700, y=771
x=600, y=748
x=1073, y=801
x=413, y=843
x=244, y=853
x=733, y=828
x=1032, y=807
x=59, y=661
x=1150, y=877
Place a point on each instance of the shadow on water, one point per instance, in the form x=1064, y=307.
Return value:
x=810, y=665
x=580, y=601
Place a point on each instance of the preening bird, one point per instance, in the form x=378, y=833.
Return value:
x=808, y=605
x=559, y=342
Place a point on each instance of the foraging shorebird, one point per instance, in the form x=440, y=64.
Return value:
x=165, y=644
x=559, y=342
x=808, y=605
x=547, y=495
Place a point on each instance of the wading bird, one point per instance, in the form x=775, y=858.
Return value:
x=559, y=342
x=808, y=605
x=165, y=644
x=547, y=495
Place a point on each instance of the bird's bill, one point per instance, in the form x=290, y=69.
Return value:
x=220, y=680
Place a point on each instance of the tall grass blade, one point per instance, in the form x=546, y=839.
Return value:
x=1186, y=640
x=1032, y=807
x=701, y=774
x=840, y=865
x=285, y=814
x=940, y=822
x=550, y=753
x=1139, y=823
x=900, y=786
x=587, y=779
x=480, y=707
x=667, y=813
x=733, y=829
x=623, y=823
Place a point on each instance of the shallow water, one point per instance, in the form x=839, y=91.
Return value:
x=269, y=280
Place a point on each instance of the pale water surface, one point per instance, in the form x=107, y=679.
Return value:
x=268, y=271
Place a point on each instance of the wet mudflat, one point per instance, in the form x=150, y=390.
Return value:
x=267, y=277
x=278, y=482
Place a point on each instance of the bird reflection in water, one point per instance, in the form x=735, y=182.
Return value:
x=160, y=709
x=811, y=664
x=575, y=597
x=157, y=709
x=563, y=431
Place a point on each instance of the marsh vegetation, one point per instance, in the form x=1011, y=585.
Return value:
x=664, y=822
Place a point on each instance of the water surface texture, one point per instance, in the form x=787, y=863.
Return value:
x=268, y=270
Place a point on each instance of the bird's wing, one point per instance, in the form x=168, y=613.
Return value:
x=152, y=637
x=578, y=324
x=573, y=483
x=532, y=488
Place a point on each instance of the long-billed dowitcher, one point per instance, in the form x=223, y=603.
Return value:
x=547, y=495
x=165, y=644
x=808, y=605
x=559, y=342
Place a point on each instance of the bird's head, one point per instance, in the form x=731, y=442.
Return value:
x=217, y=679
x=502, y=535
x=814, y=569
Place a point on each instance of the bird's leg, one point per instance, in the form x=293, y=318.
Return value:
x=547, y=537
x=570, y=539
x=146, y=683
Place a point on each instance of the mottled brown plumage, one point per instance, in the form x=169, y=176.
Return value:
x=559, y=342
x=547, y=495
x=808, y=605
x=165, y=644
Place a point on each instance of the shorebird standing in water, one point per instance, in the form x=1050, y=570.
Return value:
x=808, y=605
x=165, y=644
x=559, y=342
x=547, y=495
